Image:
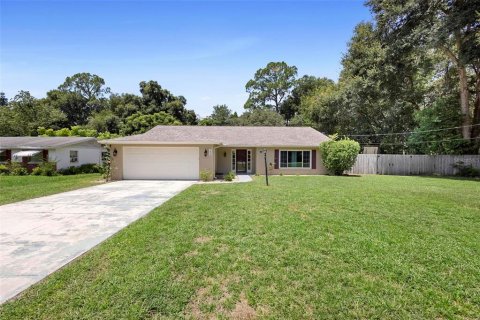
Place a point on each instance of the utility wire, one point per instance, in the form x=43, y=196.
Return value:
x=419, y=142
x=407, y=132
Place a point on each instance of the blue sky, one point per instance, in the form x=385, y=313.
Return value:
x=203, y=50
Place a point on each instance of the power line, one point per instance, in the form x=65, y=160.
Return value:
x=407, y=132
x=419, y=142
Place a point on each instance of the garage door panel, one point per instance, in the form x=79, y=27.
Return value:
x=161, y=163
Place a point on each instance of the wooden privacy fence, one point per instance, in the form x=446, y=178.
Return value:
x=396, y=164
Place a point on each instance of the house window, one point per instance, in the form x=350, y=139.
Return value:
x=249, y=160
x=234, y=160
x=73, y=156
x=295, y=159
x=3, y=156
x=36, y=158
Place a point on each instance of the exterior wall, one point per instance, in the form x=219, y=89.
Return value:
x=260, y=164
x=86, y=154
x=224, y=163
x=204, y=163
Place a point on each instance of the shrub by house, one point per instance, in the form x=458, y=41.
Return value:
x=339, y=155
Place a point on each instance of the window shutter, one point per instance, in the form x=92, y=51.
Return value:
x=314, y=159
x=276, y=158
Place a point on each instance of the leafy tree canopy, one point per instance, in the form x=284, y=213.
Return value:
x=270, y=86
x=140, y=123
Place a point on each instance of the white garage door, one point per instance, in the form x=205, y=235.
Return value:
x=160, y=163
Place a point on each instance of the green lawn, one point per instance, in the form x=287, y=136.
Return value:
x=17, y=188
x=305, y=247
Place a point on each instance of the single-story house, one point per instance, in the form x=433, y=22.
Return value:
x=64, y=151
x=182, y=152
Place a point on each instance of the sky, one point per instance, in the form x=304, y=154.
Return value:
x=204, y=50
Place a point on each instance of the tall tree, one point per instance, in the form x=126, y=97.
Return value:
x=156, y=99
x=270, y=86
x=377, y=94
x=89, y=86
x=449, y=26
x=79, y=96
x=304, y=87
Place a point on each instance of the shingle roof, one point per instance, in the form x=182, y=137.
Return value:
x=41, y=142
x=228, y=136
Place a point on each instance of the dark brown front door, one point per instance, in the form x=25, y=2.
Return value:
x=241, y=160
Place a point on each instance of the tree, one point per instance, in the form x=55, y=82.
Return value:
x=156, y=99
x=377, y=94
x=260, y=117
x=105, y=121
x=3, y=99
x=318, y=108
x=154, y=95
x=124, y=105
x=431, y=137
x=221, y=116
x=270, y=86
x=304, y=87
x=79, y=96
x=140, y=123
x=446, y=26
x=24, y=114
x=89, y=86
x=72, y=104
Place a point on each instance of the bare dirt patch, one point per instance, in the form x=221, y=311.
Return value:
x=191, y=253
x=203, y=239
x=243, y=311
x=215, y=300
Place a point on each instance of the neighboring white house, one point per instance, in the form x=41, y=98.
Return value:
x=64, y=151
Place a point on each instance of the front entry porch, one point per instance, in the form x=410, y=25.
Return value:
x=238, y=160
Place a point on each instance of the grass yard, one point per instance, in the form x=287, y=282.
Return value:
x=17, y=188
x=306, y=247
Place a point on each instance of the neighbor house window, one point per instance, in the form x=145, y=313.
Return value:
x=73, y=156
x=3, y=156
x=295, y=159
x=37, y=158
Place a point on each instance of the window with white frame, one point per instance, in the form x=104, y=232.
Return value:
x=295, y=158
x=73, y=156
x=234, y=160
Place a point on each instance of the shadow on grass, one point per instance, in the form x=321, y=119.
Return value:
x=451, y=178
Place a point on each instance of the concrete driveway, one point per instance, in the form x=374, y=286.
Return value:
x=39, y=236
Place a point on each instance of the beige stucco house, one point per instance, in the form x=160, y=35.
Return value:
x=182, y=152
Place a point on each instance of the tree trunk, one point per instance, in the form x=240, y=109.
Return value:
x=464, y=97
x=476, y=110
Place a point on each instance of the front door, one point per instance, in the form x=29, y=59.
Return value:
x=241, y=160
